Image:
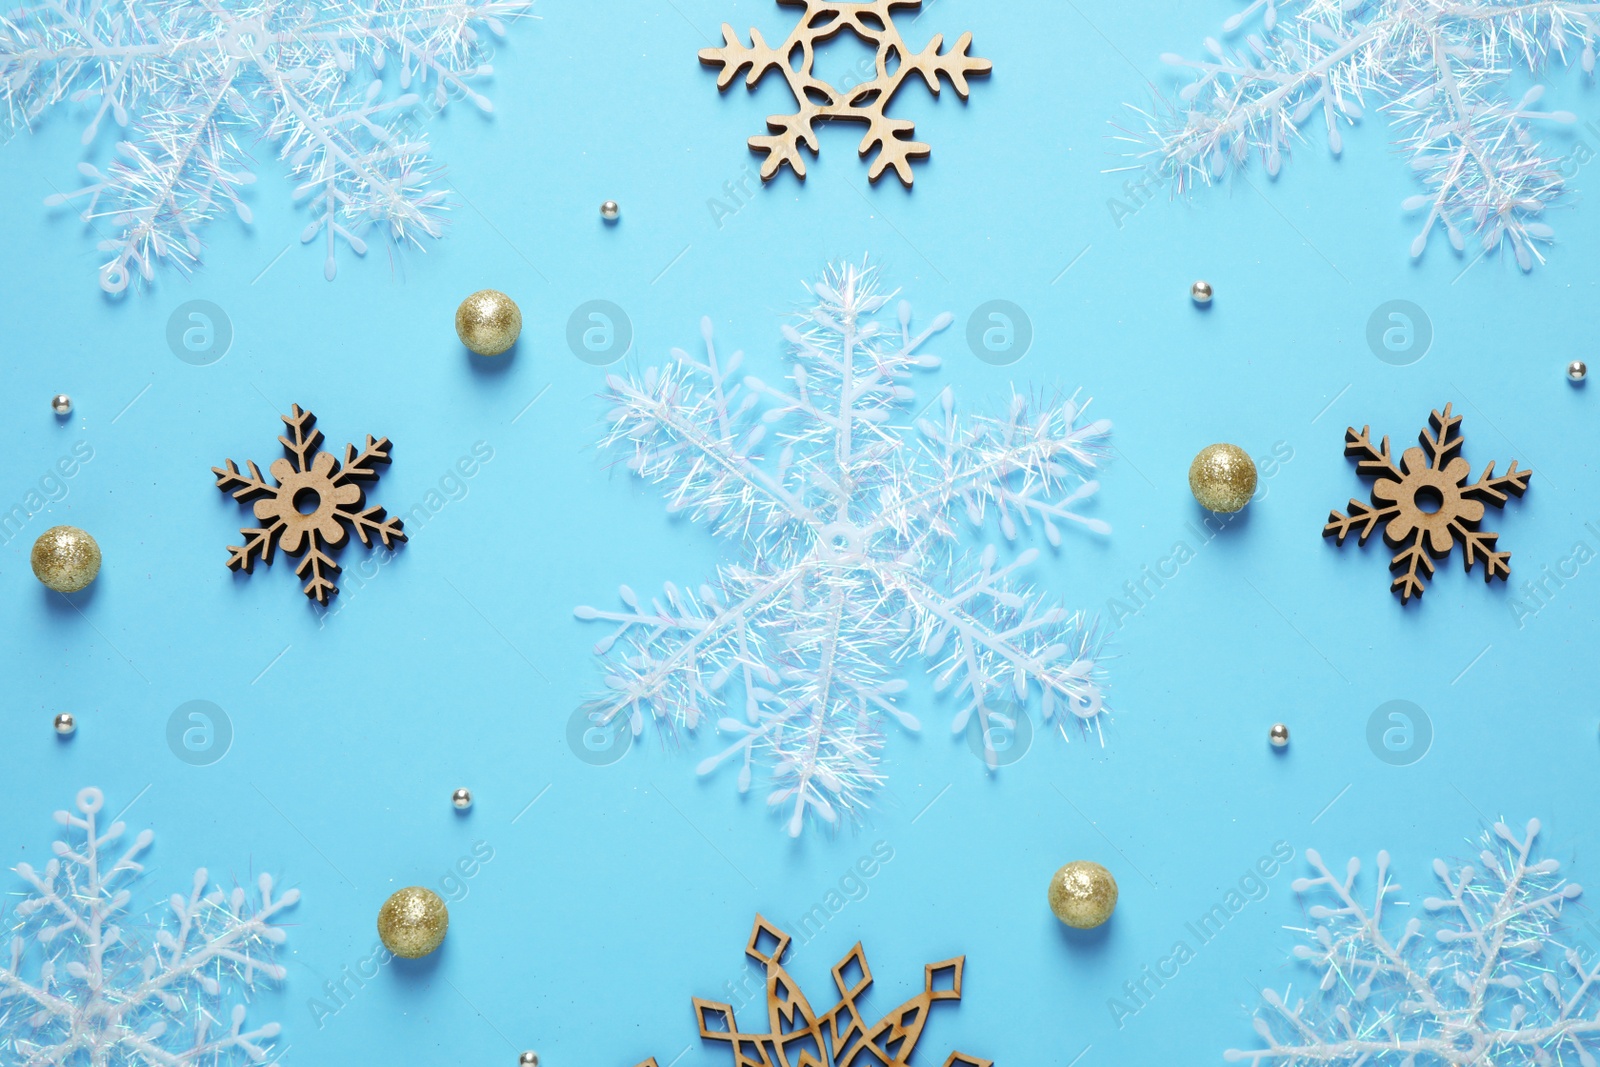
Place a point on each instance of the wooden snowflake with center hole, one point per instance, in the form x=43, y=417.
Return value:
x=1427, y=504
x=818, y=101
x=315, y=499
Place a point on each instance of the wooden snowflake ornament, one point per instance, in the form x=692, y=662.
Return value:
x=796, y=1036
x=307, y=511
x=818, y=101
x=1427, y=504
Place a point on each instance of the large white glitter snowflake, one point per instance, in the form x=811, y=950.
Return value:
x=1443, y=70
x=1494, y=978
x=194, y=84
x=848, y=520
x=108, y=995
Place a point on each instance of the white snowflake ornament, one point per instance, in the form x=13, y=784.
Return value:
x=1451, y=75
x=107, y=995
x=849, y=522
x=194, y=84
x=1490, y=978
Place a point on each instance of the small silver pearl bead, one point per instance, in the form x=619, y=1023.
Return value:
x=528, y=1059
x=66, y=725
x=462, y=799
x=1201, y=292
x=1577, y=370
x=611, y=211
x=61, y=404
x=1279, y=735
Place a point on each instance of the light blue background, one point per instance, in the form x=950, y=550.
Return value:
x=626, y=889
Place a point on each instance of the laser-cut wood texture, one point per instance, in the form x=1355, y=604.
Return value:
x=797, y=1036
x=328, y=491
x=1426, y=503
x=818, y=101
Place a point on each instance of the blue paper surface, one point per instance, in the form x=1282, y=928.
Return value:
x=617, y=892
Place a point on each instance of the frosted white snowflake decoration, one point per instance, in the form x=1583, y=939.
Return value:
x=1489, y=982
x=849, y=529
x=103, y=994
x=193, y=84
x=1441, y=69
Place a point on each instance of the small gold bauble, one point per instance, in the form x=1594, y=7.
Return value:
x=488, y=322
x=1083, y=895
x=412, y=923
x=66, y=559
x=1223, y=478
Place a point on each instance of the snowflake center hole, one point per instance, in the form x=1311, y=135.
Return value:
x=307, y=501
x=845, y=61
x=1428, y=500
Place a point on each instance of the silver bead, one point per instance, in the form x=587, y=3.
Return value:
x=462, y=799
x=528, y=1059
x=66, y=725
x=1201, y=292
x=611, y=211
x=1279, y=735
x=61, y=404
x=1577, y=370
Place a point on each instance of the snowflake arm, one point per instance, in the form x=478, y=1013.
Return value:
x=734, y=56
x=1441, y=71
x=690, y=429
x=994, y=643
x=809, y=718
x=1498, y=491
x=1412, y=567
x=686, y=648
x=370, y=522
x=848, y=380
x=260, y=543
x=241, y=486
x=1372, y=461
x=893, y=137
x=318, y=569
x=957, y=64
x=786, y=132
x=303, y=444
x=51, y=53
x=846, y=383
x=1443, y=442
x=362, y=466
x=1364, y=516
x=1026, y=467
x=355, y=167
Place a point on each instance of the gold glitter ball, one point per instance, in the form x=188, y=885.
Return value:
x=1083, y=895
x=1223, y=478
x=488, y=322
x=66, y=559
x=412, y=923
